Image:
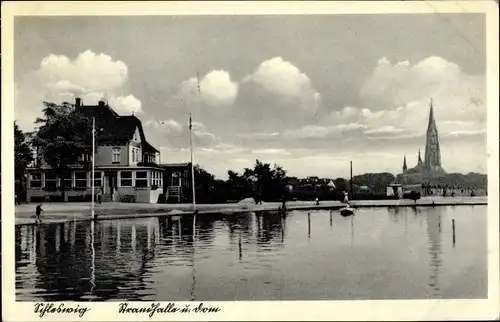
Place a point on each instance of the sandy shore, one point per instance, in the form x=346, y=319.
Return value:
x=62, y=212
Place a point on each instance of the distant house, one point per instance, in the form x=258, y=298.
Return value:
x=126, y=166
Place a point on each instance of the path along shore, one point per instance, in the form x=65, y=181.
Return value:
x=63, y=212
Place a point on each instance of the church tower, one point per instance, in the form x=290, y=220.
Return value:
x=419, y=158
x=405, y=167
x=432, y=151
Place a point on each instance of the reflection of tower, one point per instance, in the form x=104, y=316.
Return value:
x=432, y=150
x=433, y=223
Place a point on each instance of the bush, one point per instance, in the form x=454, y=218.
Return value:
x=127, y=198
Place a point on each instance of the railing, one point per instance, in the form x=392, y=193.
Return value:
x=174, y=192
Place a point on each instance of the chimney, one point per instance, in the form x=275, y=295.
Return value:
x=78, y=102
x=101, y=104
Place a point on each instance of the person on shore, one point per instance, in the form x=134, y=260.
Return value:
x=317, y=201
x=17, y=199
x=38, y=212
x=346, y=197
x=99, y=195
x=283, y=203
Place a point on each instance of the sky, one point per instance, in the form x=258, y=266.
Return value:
x=310, y=93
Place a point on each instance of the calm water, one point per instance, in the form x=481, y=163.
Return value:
x=378, y=254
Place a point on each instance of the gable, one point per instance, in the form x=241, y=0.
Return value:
x=137, y=136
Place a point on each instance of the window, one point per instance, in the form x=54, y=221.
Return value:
x=84, y=157
x=116, y=155
x=141, y=179
x=97, y=178
x=66, y=181
x=176, y=179
x=50, y=180
x=80, y=179
x=133, y=154
x=156, y=179
x=36, y=180
x=138, y=155
x=126, y=179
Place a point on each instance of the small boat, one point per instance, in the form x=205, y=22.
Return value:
x=347, y=211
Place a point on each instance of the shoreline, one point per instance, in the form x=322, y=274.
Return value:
x=65, y=212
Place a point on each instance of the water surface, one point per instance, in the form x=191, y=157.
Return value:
x=381, y=253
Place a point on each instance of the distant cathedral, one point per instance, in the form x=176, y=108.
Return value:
x=432, y=163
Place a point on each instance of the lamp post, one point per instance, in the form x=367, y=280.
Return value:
x=92, y=211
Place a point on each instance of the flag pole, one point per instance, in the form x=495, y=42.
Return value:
x=192, y=166
x=93, y=166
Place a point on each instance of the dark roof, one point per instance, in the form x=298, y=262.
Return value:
x=113, y=128
x=174, y=165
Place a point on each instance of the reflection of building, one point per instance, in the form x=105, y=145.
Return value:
x=125, y=163
x=432, y=163
x=433, y=223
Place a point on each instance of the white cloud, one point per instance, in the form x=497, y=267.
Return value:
x=457, y=95
x=396, y=99
x=215, y=88
x=170, y=133
x=168, y=126
x=89, y=76
x=88, y=71
x=388, y=129
x=284, y=79
x=323, y=132
x=271, y=151
x=126, y=104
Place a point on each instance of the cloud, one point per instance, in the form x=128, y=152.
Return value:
x=126, y=104
x=396, y=99
x=323, y=132
x=88, y=71
x=457, y=95
x=285, y=80
x=169, y=126
x=271, y=151
x=170, y=133
x=385, y=130
x=215, y=88
x=89, y=76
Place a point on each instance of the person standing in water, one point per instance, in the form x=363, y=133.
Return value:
x=38, y=213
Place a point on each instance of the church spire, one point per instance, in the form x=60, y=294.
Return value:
x=432, y=122
x=432, y=161
x=405, y=167
x=419, y=157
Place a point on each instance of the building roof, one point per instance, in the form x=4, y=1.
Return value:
x=174, y=165
x=113, y=128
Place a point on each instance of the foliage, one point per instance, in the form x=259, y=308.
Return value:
x=23, y=155
x=264, y=181
x=63, y=136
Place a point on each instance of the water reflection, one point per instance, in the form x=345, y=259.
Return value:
x=433, y=227
x=134, y=259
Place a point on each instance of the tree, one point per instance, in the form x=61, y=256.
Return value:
x=264, y=180
x=23, y=155
x=64, y=134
